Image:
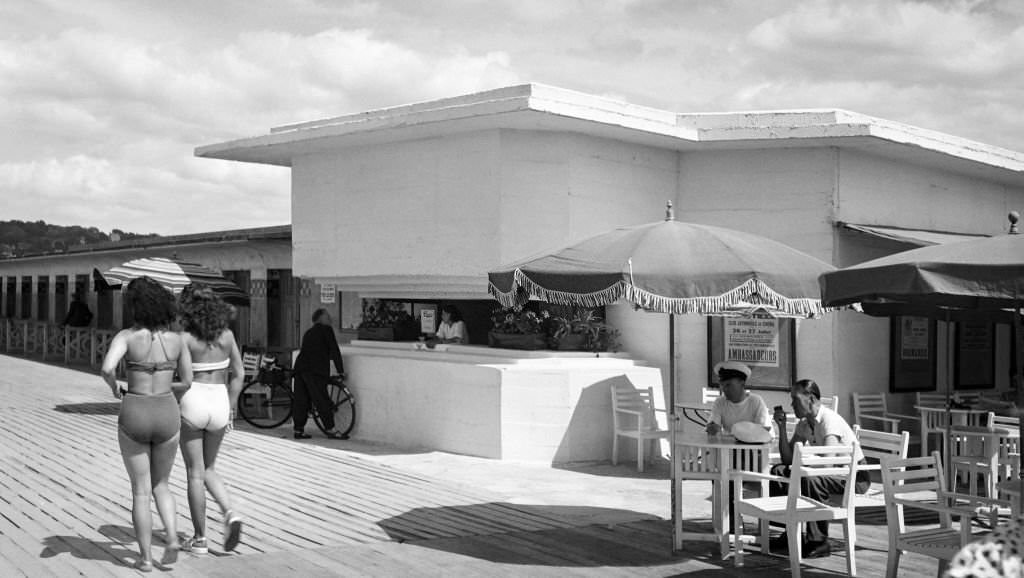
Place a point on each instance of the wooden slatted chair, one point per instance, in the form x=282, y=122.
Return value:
x=920, y=483
x=871, y=411
x=633, y=417
x=878, y=446
x=793, y=509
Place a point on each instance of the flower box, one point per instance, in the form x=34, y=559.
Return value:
x=571, y=342
x=528, y=341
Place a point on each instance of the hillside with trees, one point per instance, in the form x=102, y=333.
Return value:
x=19, y=238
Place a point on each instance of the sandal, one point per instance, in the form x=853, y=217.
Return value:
x=232, y=531
x=197, y=545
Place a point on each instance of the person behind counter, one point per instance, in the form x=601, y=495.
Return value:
x=452, y=328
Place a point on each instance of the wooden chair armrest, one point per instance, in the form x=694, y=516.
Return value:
x=902, y=416
x=879, y=418
x=629, y=411
x=740, y=475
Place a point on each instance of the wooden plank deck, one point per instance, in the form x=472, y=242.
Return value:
x=314, y=509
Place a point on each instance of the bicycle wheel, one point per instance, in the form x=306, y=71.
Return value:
x=265, y=406
x=344, y=405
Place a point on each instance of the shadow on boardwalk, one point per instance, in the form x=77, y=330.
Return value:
x=331, y=508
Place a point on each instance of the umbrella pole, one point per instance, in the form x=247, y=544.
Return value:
x=1019, y=363
x=672, y=420
x=946, y=443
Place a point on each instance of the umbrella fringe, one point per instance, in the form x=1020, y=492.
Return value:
x=523, y=287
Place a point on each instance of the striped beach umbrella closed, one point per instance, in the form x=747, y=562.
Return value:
x=175, y=276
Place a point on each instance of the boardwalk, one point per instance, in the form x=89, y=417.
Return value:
x=326, y=509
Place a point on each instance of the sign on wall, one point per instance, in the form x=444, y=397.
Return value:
x=427, y=320
x=753, y=341
x=764, y=343
x=328, y=293
x=975, y=355
x=912, y=354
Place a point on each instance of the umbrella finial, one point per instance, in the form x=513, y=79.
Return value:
x=669, y=213
x=1014, y=216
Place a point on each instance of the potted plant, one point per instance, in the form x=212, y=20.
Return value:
x=583, y=330
x=387, y=321
x=518, y=328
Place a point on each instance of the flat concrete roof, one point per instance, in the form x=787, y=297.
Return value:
x=546, y=108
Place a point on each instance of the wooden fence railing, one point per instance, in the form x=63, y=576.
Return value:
x=53, y=342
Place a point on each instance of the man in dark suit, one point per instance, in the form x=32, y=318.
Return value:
x=312, y=372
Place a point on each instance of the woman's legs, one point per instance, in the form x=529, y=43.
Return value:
x=192, y=442
x=214, y=483
x=160, y=468
x=136, y=458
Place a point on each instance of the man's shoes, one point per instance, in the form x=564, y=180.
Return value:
x=336, y=435
x=301, y=435
x=779, y=544
x=816, y=549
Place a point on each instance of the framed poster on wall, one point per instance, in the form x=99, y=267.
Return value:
x=975, y=359
x=911, y=354
x=765, y=343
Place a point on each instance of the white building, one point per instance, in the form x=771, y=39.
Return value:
x=420, y=201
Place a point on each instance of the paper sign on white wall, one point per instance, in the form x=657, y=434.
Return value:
x=328, y=293
x=427, y=320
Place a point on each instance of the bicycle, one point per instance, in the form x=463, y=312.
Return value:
x=265, y=401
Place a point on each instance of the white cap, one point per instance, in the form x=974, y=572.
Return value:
x=733, y=366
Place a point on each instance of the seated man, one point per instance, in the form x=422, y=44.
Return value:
x=818, y=426
x=736, y=404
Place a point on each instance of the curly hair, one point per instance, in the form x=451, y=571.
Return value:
x=204, y=314
x=149, y=304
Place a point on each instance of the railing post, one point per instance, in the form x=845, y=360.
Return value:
x=67, y=346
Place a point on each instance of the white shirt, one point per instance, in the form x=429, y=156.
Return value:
x=829, y=423
x=452, y=330
x=752, y=408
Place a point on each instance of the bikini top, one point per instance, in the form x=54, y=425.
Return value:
x=149, y=366
x=198, y=366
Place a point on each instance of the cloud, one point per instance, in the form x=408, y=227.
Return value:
x=102, y=117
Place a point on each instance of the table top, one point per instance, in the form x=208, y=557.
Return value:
x=701, y=439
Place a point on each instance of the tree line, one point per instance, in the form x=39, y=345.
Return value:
x=18, y=238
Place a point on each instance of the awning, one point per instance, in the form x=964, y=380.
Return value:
x=916, y=237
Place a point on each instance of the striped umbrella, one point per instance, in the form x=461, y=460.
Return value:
x=175, y=276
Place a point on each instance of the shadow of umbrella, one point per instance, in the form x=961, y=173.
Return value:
x=90, y=408
x=550, y=536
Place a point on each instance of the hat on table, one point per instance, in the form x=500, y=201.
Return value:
x=751, y=433
x=729, y=369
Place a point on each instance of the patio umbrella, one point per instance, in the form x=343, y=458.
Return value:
x=174, y=275
x=670, y=267
x=979, y=279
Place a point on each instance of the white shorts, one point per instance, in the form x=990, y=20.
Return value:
x=205, y=406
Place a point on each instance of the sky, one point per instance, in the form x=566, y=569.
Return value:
x=103, y=102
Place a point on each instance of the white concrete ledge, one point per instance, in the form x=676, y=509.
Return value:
x=542, y=406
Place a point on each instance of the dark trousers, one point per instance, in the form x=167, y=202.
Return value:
x=816, y=488
x=311, y=387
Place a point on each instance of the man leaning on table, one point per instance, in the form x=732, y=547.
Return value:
x=736, y=404
x=818, y=426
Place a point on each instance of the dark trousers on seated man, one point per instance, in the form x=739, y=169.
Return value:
x=817, y=488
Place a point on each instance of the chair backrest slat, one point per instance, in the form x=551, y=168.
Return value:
x=878, y=445
x=811, y=461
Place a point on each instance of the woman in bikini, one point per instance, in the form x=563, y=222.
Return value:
x=149, y=421
x=206, y=408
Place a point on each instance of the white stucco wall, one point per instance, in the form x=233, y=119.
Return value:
x=783, y=194
x=875, y=190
